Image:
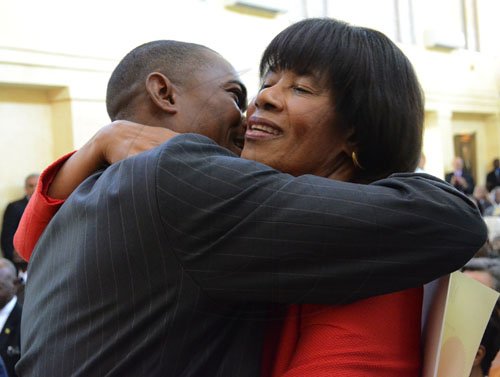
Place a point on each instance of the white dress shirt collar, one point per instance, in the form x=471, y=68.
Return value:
x=5, y=311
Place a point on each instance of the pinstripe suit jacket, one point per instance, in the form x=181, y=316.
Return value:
x=164, y=264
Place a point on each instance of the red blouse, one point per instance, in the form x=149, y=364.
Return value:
x=379, y=336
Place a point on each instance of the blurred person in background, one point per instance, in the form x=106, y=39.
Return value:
x=493, y=177
x=482, y=198
x=485, y=270
x=10, y=316
x=495, y=246
x=12, y=216
x=460, y=178
x=494, y=210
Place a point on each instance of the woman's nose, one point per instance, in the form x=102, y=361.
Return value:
x=268, y=98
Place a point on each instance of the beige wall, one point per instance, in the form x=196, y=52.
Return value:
x=26, y=134
x=50, y=104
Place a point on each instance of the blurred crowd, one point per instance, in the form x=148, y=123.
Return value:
x=13, y=275
x=485, y=266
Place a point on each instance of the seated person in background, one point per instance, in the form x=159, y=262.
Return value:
x=481, y=197
x=485, y=270
x=460, y=178
x=494, y=210
x=495, y=246
x=10, y=316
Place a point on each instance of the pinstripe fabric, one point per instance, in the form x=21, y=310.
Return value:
x=164, y=264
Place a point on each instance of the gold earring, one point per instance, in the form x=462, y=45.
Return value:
x=355, y=161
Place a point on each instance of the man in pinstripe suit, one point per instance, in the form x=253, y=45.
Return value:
x=165, y=264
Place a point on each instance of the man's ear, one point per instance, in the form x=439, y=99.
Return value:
x=162, y=92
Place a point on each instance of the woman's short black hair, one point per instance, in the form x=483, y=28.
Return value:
x=376, y=93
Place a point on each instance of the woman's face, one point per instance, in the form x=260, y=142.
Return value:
x=292, y=127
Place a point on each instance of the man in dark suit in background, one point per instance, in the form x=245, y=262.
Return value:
x=164, y=263
x=12, y=216
x=493, y=177
x=460, y=178
x=10, y=317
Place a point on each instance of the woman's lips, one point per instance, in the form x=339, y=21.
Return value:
x=259, y=128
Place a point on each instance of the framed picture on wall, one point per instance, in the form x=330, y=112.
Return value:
x=465, y=147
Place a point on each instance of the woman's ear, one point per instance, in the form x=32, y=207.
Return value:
x=351, y=148
x=351, y=144
x=161, y=92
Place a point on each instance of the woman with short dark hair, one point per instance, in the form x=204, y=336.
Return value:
x=341, y=102
x=375, y=92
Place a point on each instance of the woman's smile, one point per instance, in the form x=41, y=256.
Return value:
x=261, y=129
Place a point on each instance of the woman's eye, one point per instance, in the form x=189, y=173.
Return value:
x=301, y=89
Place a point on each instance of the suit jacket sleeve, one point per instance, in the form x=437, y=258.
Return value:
x=490, y=181
x=9, y=225
x=244, y=231
x=470, y=184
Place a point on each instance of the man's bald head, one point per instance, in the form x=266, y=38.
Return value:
x=176, y=60
x=8, y=277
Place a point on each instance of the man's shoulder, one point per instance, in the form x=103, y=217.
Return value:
x=128, y=167
x=121, y=177
x=19, y=203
